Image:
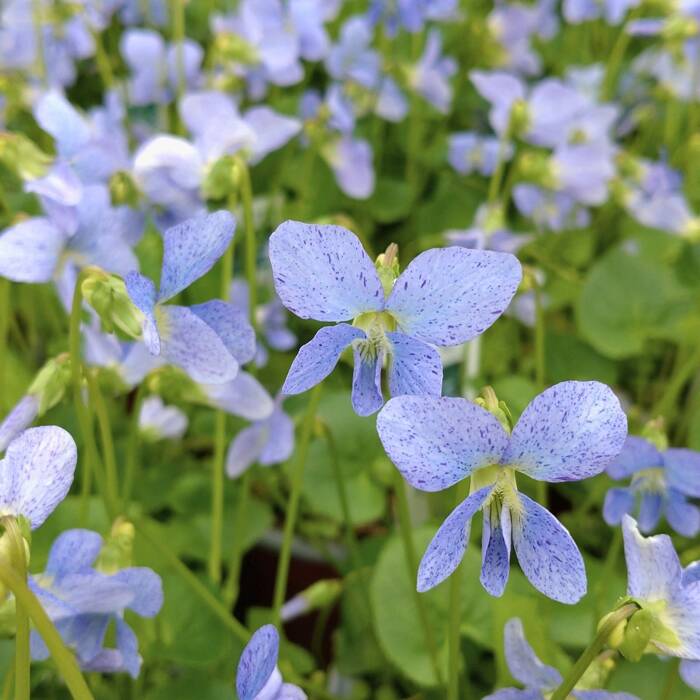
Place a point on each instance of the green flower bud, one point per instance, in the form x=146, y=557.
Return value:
x=655, y=432
x=679, y=28
x=490, y=402
x=123, y=190
x=117, y=550
x=22, y=156
x=174, y=386
x=519, y=121
x=107, y=294
x=387, y=265
x=637, y=635
x=49, y=385
x=538, y=168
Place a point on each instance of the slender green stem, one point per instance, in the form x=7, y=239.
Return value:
x=132, y=448
x=611, y=559
x=18, y=562
x=406, y=528
x=197, y=587
x=614, y=62
x=667, y=403
x=4, y=329
x=217, y=496
x=297, y=477
x=9, y=681
x=592, y=650
x=104, y=66
x=471, y=366
x=454, y=637
x=251, y=250
x=178, y=29
x=497, y=175
x=64, y=659
x=239, y=525
x=671, y=679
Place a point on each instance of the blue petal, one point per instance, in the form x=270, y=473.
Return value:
x=682, y=516
x=73, y=551
x=569, y=432
x=245, y=449
x=189, y=343
x=271, y=131
x=280, y=442
x=124, y=658
x=323, y=272
x=447, y=296
x=650, y=507
x=515, y=694
x=85, y=634
x=56, y=116
x=231, y=325
x=243, y=396
x=37, y=473
x=547, y=554
x=317, y=358
x=437, y=441
x=683, y=470
x=30, y=251
x=637, y=453
x=602, y=695
x=191, y=248
x=257, y=662
x=142, y=293
x=414, y=367
x=18, y=419
x=366, y=382
x=690, y=673
x=147, y=588
x=495, y=550
x=523, y=663
x=617, y=503
x=446, y=549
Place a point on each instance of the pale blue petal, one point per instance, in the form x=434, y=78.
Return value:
x=191, y=248
x=602, y=695
x=317, y=358
x=637, y=453
x=271, y=131
x=189, y=343
x=243, y=396
x=291, y=692
x=22, y=415
x=73, y=551
x=147, y=588
x=523, y=663
x=683, y=470
x=56, y=116
x=161, y=421
x=30, y=251
x=245, y=449
x=650, y=507
x=690, y=673
x=414, y=367
x=447, y=296
x=547, y=554
x=446, y=549
x=691, y=573
x=257, y=662
x=682, y=516
x=90, y=593
x=366, y=381
x=495, y=551
x=515, y=694
x=322, y=272
x=142, y=293
x=437, y=441
x=231, y=325
x=617, y=503
x=124, y=658
x=37, y=473
x=569, y=432
x=280, y=442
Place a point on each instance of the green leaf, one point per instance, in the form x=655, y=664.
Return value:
x=568, y=358
x=392, y=200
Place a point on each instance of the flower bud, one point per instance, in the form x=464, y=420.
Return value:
x=519, y=118
x=116, y=552
x=123, y=190
x=318, y=595
x=49, y=385
x=655, y=432
x=107, y=294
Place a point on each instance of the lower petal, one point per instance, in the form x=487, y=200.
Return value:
x=650, y=507
x=682, y=516
x=414, y=368
x=547, y=554
x=30, y=250
x=366, y=383
x=617, y=503
x=495, y=563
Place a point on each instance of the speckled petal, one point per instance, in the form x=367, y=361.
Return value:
x=653, y=568
x=323, y=272
x=37, y=473
x=683, y=470
x=495, y=552
x=142, y=293
x=437, y=441
x=602, y=695
x=414, y=367
x=523, y=663
x=73, y=551
x=682, y=516
x=446, y=549
x=515, y=694
x=366, y=383
x=189, y=343
x=547, y=554
x=231, y=325
x=617, y=503
x=30, y=250
x=318, y=358
x=18, y=419
x=257, y=662
x=447, y=296
x=191, y=248
x=637, y=453
x=569, y=432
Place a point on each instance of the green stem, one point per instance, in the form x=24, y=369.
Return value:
x=671, y=679
x=297, y=477
x=615, y=61
x=251, y=251
x=497, y=175
x=104, y=67
x=668, y=401
x=178, y=28
x=132, y=448
x=406, y=528
x=611, y=559
x=197, y=587
x=539, y=339
x=239, y=525
x=64, y=660
x=592, y=650
x=18, y=562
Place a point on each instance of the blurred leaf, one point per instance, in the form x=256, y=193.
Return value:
x=392, y=200
x=568, y=358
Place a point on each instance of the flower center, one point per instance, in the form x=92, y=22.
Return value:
x=375, y=324
x=652, y=480
x=505, y=488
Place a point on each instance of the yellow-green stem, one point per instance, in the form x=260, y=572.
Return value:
x=132, y=448
x=18, y=562
x=104, y=67
x=105, y=426
x=297, y=477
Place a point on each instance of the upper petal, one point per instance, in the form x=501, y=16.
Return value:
x=523, y=664
x=414, y=367
x=73, y=551
x=637, y=453
x=30, y=250
x=257, y=662
x=323, y=272
x=447, y=296
x=317, y=358
x=142, y=293
x=231, y=325
x=683, y=470
x=547, y=553
x=37, y=472
x=191, y=248
x=242, y=396
x=570, y=431
x=437, y=441
x=147, y=588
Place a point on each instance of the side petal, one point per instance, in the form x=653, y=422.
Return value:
x=243, y=396
x=37, y=473
x=280, y=439
x=495, y=552
x=653, y=568
x=257, y=662
x=446, y=549
x=602, y=695
x=147, y=588
x=617, y=503
x=22, y=415
x=366, y=382
x=523, y=664
x=515, y=694
x=189, y=343
x=142, y=293
x=447, y=296
x=637, y=453
x=322, y=272
x=56, y=116
x=231, y=325
x=414, y=367
x=245, y=449
x=683, y=470
x=73, y=551
x=682, y=516
x=318, y=358
x=30, y=250
x=547, y=554
x=437, y=441
x=569, y=432
x=191, y=248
